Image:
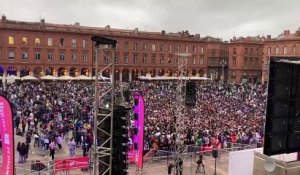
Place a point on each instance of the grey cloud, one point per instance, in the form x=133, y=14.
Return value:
x=220, y=18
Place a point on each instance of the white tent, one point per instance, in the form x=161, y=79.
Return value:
x=145, y=78
x=101, y=78
x=29, y=77
x=198, y=78
x=48, y=77
x=83, y=77
x=13, y=77
x=66, y=77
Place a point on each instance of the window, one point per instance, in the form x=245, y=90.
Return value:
x=50, y=42
x=153, y=47
x=11, y=55
x=234, y=61
x=277, y=50
x=186, y=49
x=285, y=50
x=37, y=41
x=294, y=49
x=269, y=50
x=85, y=57
x=74, y=57
x=170, y=48
x=194, y=59
x=62, y=56
x=161, y=59
x=135, y=46
x=213, y=53
x=144, y=58
x=38, y=56
x=194, y=49
x=106, y=58
x=170, y=59
x=126, y=45
x=84, y=43
x=145, y=46
x=117, y=58
x=256, y=52
x=234, y=50
x=24, y=55
x=256, y=62
x=11, y=40
x=202, y=50
x=24, y=41
x=246, y=50
x=251, y=51
x=126, y=58
x=162, y=47
x=73, y=42
x=50, y=56
x=246, y=61
x=135, y=59
x=201, y=60
x=153, y=58
x=178, y=48
x=62, y=42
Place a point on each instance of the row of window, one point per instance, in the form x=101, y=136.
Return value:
x=285, y=50
x=50, y=42
x=162, y=48
x=24, y=56
x=248, y=61
x=162, y=59
x=249, y=51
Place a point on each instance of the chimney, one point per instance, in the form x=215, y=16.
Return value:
x=163, y=32
x=197, y=35
x=269, y=37
x=286, y=32
x=77, y=24
x=3, y=18
x=107, y=27
x=136, y=30
x=298, y=32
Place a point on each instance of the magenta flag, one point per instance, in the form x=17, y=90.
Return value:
x=7, y=137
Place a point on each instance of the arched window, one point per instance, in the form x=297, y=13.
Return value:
x=294, y=49
x=285, y=50
x=277, y=50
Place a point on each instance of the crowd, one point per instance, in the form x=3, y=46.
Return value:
x=53, y=112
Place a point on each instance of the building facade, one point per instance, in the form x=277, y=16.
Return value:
x=286, y=44
x=40, y=48
x=245, y=59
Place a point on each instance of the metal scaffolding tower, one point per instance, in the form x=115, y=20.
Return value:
x=103, y=107
x=182, y=62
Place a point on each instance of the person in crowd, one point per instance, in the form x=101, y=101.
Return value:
x=72, y=147
x=53, y=147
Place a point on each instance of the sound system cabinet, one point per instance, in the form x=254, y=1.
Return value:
x=282, y=124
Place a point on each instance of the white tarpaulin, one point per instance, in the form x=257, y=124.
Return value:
x=241, y=162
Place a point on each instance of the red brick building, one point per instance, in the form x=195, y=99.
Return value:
x=286, y=44
x=245, y=59
x=50, y=49
x=40, y=48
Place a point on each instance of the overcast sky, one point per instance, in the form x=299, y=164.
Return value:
x=218, y=18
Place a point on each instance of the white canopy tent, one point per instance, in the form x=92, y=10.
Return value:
x=102, y=78
x=172, y=78
x=48, y=77
x=83, y=77
x=66, y=77
x=29, y=77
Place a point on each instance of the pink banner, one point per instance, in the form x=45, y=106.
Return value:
x=69, y=164
x=139, y=139
x=6, y=131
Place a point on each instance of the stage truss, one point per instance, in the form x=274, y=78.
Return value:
x=182, y=62
x=105, y=100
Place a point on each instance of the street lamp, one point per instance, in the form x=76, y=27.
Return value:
x=223, y=63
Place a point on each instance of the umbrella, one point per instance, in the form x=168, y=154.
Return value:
x=48, y=77
x=28, y=77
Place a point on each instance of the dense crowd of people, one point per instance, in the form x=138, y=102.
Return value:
x=53, y=112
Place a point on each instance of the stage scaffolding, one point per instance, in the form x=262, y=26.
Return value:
x=182, y=62
x=105, y=102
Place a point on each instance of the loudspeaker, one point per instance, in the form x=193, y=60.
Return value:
x=215, y=153
x=282, y=127
x=190, y=97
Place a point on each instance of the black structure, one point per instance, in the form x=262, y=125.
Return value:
x=120, y=141
x=103, y=41
x=282, y=128
x=190, y=97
